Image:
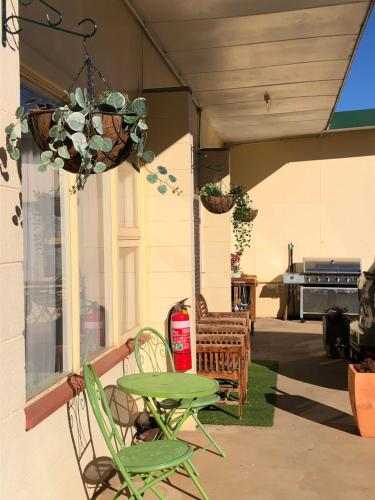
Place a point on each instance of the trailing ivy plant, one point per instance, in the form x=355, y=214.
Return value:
x=75, y=123
x=241, y=223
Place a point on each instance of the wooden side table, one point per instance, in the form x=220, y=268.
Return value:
x=244, y=296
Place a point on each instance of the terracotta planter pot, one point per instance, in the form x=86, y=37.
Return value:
x=362, y=399
x=40, y=122
x=218, y=204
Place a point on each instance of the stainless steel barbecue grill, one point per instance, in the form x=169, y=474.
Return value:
x=329, y=282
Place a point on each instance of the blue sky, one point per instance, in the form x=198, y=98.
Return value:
x=359, y=90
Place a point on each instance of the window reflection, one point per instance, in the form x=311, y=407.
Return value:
x=94, y=266
x=47, y=357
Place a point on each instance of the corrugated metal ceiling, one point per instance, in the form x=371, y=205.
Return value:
x=231, y=52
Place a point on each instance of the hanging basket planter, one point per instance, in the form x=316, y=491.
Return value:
x=89, y=133
x=40, y=123
x=251, y=216
x=218, y=204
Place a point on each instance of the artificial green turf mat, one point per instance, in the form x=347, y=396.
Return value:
x=258, y=410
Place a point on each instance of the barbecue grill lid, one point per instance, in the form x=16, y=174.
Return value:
x=331, y=266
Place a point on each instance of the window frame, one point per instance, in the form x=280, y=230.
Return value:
x=130, y=237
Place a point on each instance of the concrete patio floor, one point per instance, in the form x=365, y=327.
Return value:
x=313, y=450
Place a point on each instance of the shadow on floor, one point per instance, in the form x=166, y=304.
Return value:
x=301, y=357
x=313, y=411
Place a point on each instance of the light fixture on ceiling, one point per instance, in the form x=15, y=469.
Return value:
x=267, y=100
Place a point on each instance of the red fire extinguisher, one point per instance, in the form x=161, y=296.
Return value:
x=180, y=337
x=92, y=329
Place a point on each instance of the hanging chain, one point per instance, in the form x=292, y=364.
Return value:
x=91, y=70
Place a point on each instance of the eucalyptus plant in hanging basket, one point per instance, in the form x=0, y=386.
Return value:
x=89, y=135
x=215, y=200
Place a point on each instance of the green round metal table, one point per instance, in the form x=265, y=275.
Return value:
x=180, y=388
x=176, y=385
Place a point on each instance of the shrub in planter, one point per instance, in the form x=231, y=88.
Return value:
x=336, y=331
x=215, y=200
x=361, y=381
x=89, y=135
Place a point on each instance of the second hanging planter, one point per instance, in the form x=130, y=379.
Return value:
x=218, y=204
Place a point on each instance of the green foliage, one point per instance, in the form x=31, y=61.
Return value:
x=63, y=152
x=76, y=121
x=98, y=124
x=20, y=111
x=139, y=106
x=149, y=156
x=46, y=156
x=241, y=224
x=96, y=143
x=211, y=189
x=152, y=178
x=162, y=170
x=99, y=167
x=24, y=126
x=106, y=144
x=134, y=137
x=57, y=163
x=116, y=100
x=79, y=123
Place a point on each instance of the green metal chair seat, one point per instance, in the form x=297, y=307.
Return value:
x=154, y=456
x=184, y=403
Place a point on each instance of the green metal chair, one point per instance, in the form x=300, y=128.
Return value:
x=154, y=355
x=152, y=462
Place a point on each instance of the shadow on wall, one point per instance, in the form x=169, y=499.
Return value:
x=4, y=173
x=95, y=471
x=276, y=289
x=268, y=157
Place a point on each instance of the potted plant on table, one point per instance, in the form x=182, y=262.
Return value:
x=89, y=134
x=361, y=381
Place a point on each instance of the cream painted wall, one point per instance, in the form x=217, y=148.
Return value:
x=168, y=219
x=317, y=193
x=12, y=354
